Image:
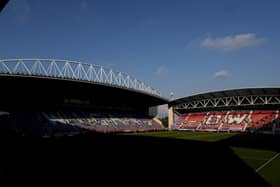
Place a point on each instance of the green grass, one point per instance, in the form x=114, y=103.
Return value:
x=271, y=172
x=199, y=136
x=253, y=156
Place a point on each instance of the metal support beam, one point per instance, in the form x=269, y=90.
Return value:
x=73, y=70
x=230, y=101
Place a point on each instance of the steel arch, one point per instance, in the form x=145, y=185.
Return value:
x=73, y=70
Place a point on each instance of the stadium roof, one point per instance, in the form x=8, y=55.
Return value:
x=73, y=70
x=49, y=82
x=241, y=98
x=229, y=93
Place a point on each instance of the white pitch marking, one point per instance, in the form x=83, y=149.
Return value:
x=262, y=166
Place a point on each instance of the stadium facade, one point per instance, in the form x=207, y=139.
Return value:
x=50, y=96
x=243, y=110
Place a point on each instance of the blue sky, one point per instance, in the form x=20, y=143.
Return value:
x=179, y=46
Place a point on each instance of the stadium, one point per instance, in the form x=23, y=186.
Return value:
x=74, y=106
x=74, y=122
x=112, y=101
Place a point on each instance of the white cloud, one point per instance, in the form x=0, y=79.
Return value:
x=161, y=70
x=222, y=74
x=233, y=42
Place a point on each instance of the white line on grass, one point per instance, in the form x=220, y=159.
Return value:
x=262, y=166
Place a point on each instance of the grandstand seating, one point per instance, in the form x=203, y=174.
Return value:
x=69, y=123
x=261, y=120
x=191, y=121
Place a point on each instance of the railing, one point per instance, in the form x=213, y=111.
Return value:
x=73, y=70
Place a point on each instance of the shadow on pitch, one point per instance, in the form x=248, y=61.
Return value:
x=121, y=159
x=254, y=141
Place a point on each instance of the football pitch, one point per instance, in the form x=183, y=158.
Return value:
x=187, y=157
x=259, y=152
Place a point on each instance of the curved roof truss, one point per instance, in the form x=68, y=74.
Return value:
x=73, y=70
x=230, y=98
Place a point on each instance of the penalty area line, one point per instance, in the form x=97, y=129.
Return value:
x=267, y=162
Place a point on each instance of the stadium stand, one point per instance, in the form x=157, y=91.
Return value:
x=252, y=110
x=191, y=121
x=229, y=121
x=61, y=123
x=62, y=97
